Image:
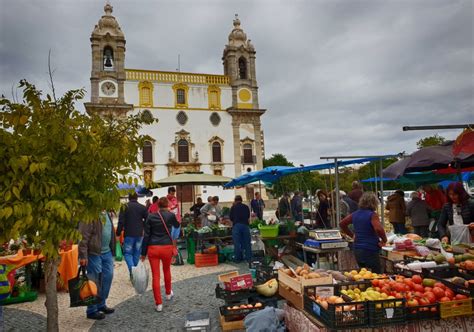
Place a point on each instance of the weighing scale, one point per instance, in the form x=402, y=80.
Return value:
x=326, y=239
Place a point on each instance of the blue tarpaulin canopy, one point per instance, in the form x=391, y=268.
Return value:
x=140, y=190
x=272, y=174
x=423, y=178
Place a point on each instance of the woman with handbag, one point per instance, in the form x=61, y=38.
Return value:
x=158, y=245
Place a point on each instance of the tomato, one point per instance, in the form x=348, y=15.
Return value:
x=418, y=294
x=438, y=292
x=430, y=296
x=407, y=288
x=399, y=287
x=412, y=303
x=449, y=293
x=460, y=297
x=440, y=285
x=428, y=289
x=419, y=288
x=424, y=301
x=445, y=299
x=386, y=290
x=375, y=283
x=409, y=283
x=417, y=279
x=398, y=296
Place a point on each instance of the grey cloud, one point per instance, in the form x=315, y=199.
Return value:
x=337, y=77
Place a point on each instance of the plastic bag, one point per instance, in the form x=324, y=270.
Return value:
x=459, y=234
x=140, y=277
x=82, y=291
x=118, y=252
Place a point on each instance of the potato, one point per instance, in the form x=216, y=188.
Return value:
x=298, y=270
x=306, y=267
x=304, y=272
x=313, y=275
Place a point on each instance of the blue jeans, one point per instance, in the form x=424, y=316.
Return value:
x=399, y=228
x=368, y=259
x=132, y=247
x=175, y=232
x=100, y=268
x=241, y=238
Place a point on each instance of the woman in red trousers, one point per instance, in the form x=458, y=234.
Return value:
x=158, y=245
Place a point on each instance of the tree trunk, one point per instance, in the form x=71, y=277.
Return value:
x=50, y=275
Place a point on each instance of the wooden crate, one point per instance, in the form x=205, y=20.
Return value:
x=237, y=325
x=299, y=285
x=296, y=299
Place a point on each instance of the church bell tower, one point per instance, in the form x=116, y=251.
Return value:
x=108, y=72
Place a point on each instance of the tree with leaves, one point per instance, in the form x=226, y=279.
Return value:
x=60, y=166
x=430, y=141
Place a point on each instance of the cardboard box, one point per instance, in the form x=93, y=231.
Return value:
x=296, y=299
x=299, y=285
x=233, y=281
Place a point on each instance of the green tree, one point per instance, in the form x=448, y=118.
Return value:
x=430, y=141
x=60, y=166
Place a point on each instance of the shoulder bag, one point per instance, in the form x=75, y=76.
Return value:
x=175, y=249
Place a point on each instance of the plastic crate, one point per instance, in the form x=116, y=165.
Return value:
x=339, y=316
x=423, y=312
x=204, y=260
x=455, y=308
x=269, y=231
x=348, y=285
x=265, y=273
x=233, y=296
x=387, y=312
x=442, y=273
x=237, y=314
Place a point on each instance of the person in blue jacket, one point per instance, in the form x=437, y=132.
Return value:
x=240, y=215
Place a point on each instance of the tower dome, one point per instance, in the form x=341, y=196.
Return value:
x=108, y=23
x=237, y=37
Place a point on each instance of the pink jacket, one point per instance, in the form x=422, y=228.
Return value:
x=174, y=206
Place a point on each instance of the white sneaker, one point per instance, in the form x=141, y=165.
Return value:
x=159, y=308
x=169, y=297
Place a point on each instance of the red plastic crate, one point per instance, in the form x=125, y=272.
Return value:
x=203, y=260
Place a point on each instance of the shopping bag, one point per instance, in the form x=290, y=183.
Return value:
x=82, y=290
x=177, y=257
x=140, y=277
x=118, y=252
x=459, y=234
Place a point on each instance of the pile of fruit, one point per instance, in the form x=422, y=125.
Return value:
x=304, y=272
x=416, y=290
x=326, y=301
x=245, y=306
x=363, y=274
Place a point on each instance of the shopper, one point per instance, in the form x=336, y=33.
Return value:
x=240, y=215
x=353, y=207
x=196, y=208
x=211, y=212
x=158, y=245
x=154, y=205
x=397, y=210
x=369, y=235
x=257, y=205
x=96, y=252
x=284, y=208
x=419, y=213
x=435, y=198
x=356, y=192
x=322, y=220
x=297, y=207
x=174, y=208
x=458, y=211
x=131, y=220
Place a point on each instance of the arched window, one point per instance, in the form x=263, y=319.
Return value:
x=214, y=93
x=147, y=152
x=216, y=152
x=242, y=68
x=248, y=153
x=108, y=60
x=183, y=151
x=181, y=96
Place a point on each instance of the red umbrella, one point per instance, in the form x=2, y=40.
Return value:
x=464, y=143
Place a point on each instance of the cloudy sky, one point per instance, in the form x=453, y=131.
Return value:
x=337, y=77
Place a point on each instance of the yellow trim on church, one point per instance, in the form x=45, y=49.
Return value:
x=145, y=90
x=175, y=77
x=214, y=97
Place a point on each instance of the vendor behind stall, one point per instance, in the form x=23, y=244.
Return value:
x=369, y=235
x=456, y=222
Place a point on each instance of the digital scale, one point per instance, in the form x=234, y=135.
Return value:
x=326, y=239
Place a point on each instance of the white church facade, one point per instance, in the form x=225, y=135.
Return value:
x=206, y=123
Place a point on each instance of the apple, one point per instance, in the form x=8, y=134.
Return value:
x=419, y=288
x=440, y=285
x=412, y=303
x=423, y=301
x=445, y=299
x=438, y=292
x=417, y=279
x=449, y=293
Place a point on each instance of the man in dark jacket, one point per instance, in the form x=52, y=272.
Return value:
x=257, y=205
x=240, y=215
x=131, y=219
x=96, y=251
x=297, y=207
x=284, y=209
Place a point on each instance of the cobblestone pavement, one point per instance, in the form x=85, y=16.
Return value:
x=194, y=292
